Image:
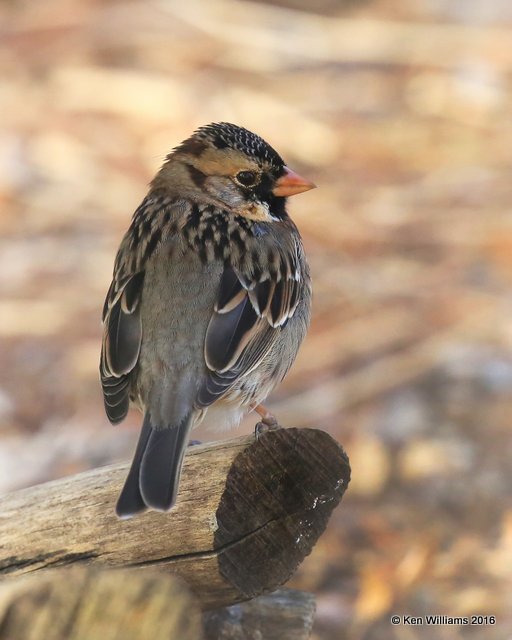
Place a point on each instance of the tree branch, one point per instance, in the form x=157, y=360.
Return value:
x=248, y=512
x=88, y=604
x=286, y=614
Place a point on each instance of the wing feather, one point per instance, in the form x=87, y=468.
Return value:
x=227, y=334
x=121, y=343
x=247, y=319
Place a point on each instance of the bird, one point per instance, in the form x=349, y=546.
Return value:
x=209, y=302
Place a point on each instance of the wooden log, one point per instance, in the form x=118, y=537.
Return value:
x=248, y=511
x=286, y=614
x=84, y=603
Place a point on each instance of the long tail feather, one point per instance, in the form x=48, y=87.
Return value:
x=130, y=500
x=155, y=472
x=160, y=468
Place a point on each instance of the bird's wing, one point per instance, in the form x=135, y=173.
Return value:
x=250, y=312
x=122, y=330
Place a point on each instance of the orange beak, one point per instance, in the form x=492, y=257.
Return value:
x=291, y=183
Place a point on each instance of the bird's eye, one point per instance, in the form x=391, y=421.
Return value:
x=247, y=178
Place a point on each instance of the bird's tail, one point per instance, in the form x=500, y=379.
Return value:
x=154, y=476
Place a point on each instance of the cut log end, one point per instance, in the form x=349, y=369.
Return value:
x=279, y=494
x=248, y=512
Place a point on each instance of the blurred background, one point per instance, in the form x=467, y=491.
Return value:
x=400, y=110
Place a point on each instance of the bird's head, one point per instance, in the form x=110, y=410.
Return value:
x=232, y=168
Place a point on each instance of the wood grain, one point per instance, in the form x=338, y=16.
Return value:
x=286, y=614
x=249, y=510
x=85, y=603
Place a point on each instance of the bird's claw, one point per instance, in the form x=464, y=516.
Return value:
x=265, y=426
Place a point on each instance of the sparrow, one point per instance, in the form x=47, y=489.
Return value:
x=209, y=302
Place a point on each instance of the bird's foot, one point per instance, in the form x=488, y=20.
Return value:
x=263, y=427
x=268, y=421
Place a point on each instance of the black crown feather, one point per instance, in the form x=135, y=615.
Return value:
x=225, y=134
